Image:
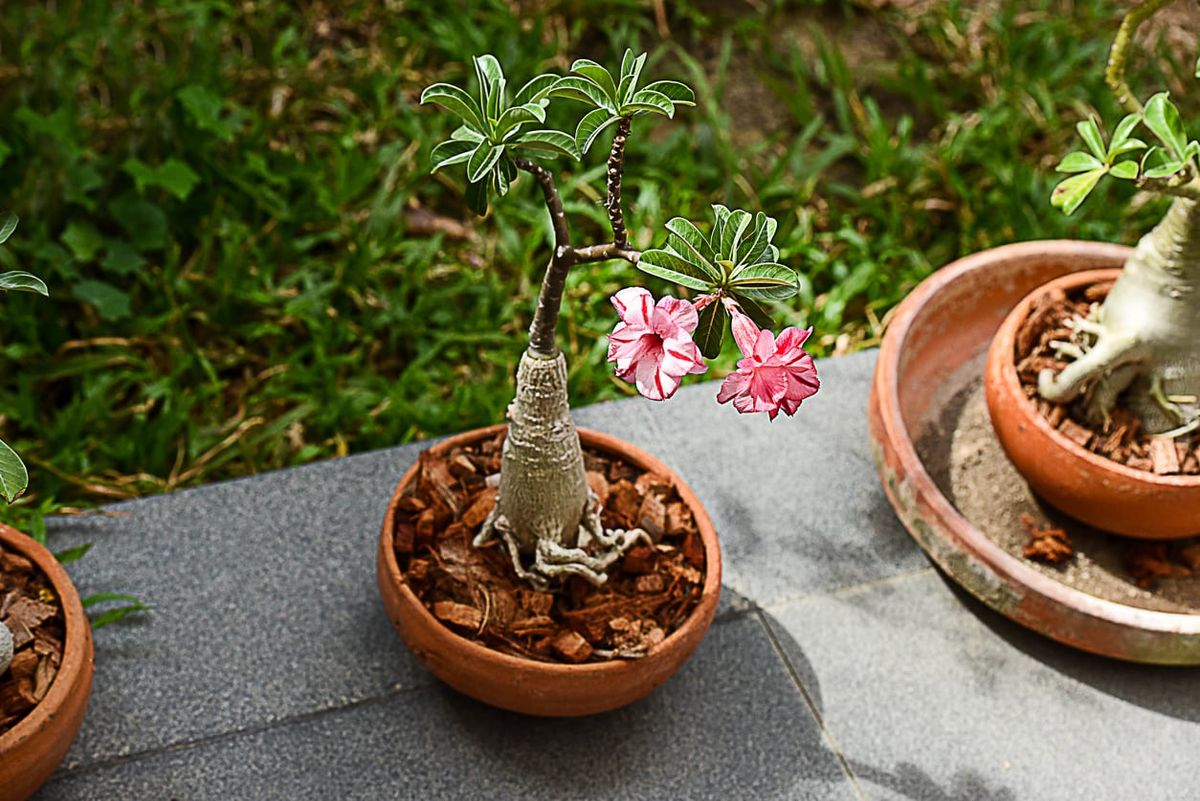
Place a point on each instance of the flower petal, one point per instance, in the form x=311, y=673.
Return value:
x=634, y=305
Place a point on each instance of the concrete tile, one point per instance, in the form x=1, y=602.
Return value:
x=729, y=726
x=932, y=697
x=796, y=501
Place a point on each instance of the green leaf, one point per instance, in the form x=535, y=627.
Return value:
x=69, y=555
x=464, y=134
x=1069, y=194
x=1127, y=170
x=207, y=111
x=690, y=239
x=547, y=141
x=488, y=71
x=121, y=258
x=754, y=310
x=8, y=224
x=732, y=233
x=626, y=62
x=131, y=604
x=720, y=216
x=452, y=151
x=110, y=302
x=456, y=101
x=766, y=281
x=1162, y=118
x=1079, y=162
x=477, y=197
x=629, y=79
x=176, y=177
x=649, y=101
x=761, y=249
x=591, y=126
x=18, y=281
x=598, y=75
x=482, y=160
x=495, y=102
x=1128, y=146
x=1090, y=132
x=83, y=240
x=582, y=89
x=710, y=331
x=1122, y=132
x=145, y=223
x=14, y=478
x=679, y=94
x=675, y=268
x=519, y=115
x=535, y=90
x=107, y=597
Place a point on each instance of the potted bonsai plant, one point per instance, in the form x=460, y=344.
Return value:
x=45, y=639
x=1093, y=381
x=562, y=572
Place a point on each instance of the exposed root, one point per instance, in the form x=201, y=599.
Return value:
x=1103, y=368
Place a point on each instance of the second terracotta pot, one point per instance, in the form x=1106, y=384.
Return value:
x=1087, y=486
x=33, y=749
x=526, y=685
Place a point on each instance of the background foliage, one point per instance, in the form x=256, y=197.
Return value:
x=250, y=266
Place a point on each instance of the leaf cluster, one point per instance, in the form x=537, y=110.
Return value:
x=736, y=260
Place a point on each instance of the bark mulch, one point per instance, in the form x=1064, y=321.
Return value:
x=475, y=591
x=1122, y=438
x=32, y=612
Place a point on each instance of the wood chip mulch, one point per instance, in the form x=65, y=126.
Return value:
x=1046, y=543
x=1122, y=439
x=476, y=592
x=1147, y=562
x=31, y=610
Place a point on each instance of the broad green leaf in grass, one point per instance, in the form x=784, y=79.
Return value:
x=1162, y=118
x=1079, y=162
x=1090, y=132
x=710, y=330
x=13, y=476
x=597, y=75
x=69, y=555
x=1071, y=192
x=546, y=141
x=457, y=102
x=83, y=240
x=8, y=224
x=591, y=126
x=673, y=267
x=112, y=303
x=18, y=281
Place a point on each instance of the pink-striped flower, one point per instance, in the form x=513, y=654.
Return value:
x=775, y=375
x=652, y=346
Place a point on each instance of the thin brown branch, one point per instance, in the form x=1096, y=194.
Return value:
x=616, y=168
x=1118, y=56
x=605, y=252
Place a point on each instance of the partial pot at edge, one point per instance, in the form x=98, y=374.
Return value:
x=34, y=748
x=529, y=686
x=1087, y=486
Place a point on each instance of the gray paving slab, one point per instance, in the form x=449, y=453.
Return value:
x=929, y=696
x=731, y=725
x=796, y=501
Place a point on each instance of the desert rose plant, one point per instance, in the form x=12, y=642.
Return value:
x=545, y=512
x=1142, y=344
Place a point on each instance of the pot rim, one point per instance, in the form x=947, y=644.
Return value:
x=1006, y=339
x=709, y=593
x=885, y=390
x=75, y=650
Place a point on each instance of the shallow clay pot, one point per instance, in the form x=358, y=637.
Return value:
x=526, y=685
x=937, y=338
x=30, y=751
x=1085, y=485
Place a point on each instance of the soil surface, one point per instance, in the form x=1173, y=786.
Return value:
x=32, y=612
x=962, y=454
x=1121, y=437
x=476, y=592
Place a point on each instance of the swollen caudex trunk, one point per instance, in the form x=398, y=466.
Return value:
x=1145, y=338
x=546, y=514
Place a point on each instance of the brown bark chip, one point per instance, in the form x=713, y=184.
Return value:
x=31, y=610
x=1121, y=437
x=475, y=591
x=1046, y=544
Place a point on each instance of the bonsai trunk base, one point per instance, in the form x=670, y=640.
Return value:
x=944, y=472
x=530, y=686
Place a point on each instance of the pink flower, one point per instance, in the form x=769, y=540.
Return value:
x=652, y=345
x=776, y=374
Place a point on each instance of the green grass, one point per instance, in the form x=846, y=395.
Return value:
x=226, y=200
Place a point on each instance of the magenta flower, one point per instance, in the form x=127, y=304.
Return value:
x=776, y=374
x=652, y=346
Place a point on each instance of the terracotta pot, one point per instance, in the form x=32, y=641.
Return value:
x=30, y=751
x=1085, y=485
x=941, y=332
x=526, y=685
